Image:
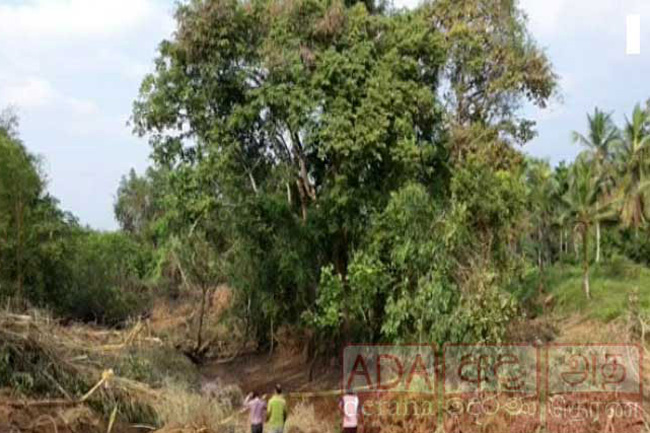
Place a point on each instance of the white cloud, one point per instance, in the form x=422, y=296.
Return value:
x=81, y=107
x=72, y=18
x=36, y=93
x=40, y=37
x=110, y=60
x=60, y=56
x=544, y=15
x=28, y=93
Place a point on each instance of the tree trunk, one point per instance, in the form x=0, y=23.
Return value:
x=253, y=183
x=199, y=336
x=585, y=262
x=20, y=215
x=539, y=252
x=598, y=242
x=272, y=337
x=247, y=321
x=566, y=242
x=303, y=172
x=585, y=283
x=341, y=268
x=303, y=201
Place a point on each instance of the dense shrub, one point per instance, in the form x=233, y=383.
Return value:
x=405, y=283
x=106, y=284
x=47, y=259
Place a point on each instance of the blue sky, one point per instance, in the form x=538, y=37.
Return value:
x=73, y=67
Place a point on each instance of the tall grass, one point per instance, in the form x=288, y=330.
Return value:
x=303, y=419
x=180, y=407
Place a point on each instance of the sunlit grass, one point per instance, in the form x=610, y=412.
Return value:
x=612, y=283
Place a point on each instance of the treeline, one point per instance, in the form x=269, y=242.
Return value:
x=350, y=171
x=597, y=207
x=48, y=259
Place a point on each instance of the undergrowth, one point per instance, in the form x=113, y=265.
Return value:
x=41, y=360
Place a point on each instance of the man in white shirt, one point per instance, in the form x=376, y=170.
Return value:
x=349, y=405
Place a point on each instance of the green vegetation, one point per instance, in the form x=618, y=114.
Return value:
x=322, y=172
x=613, y=285
x=309, y=144
x=49, y=260
x=347, y=170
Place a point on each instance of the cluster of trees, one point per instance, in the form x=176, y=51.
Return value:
x=602, y=196
x=354, y=169
x=47, y=259
x=347, y=169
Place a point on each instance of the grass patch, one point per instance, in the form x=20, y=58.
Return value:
x=303, y=419
x=612, y=282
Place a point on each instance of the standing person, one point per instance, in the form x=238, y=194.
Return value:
x=277, y=413
x=349, y=405
x=257, y=408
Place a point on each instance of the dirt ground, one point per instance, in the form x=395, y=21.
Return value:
x=261, y=372
x=77, y=419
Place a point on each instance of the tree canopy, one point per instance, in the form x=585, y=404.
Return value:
x=346, y=168
x=291, y=129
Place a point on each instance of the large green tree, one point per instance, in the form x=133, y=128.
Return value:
x=492, y=67
x=324, y=106
x=287, y=124
x=20, y=189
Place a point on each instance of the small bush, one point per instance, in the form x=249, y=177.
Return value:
x=621, y=267
x=106, y=284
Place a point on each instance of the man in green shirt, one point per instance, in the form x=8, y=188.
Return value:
x=276, y=414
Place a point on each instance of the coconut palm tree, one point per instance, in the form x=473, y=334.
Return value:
x=601, y=137
x=584, y=207
x=560, y=220
x=600, y=141
x=634, y=161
